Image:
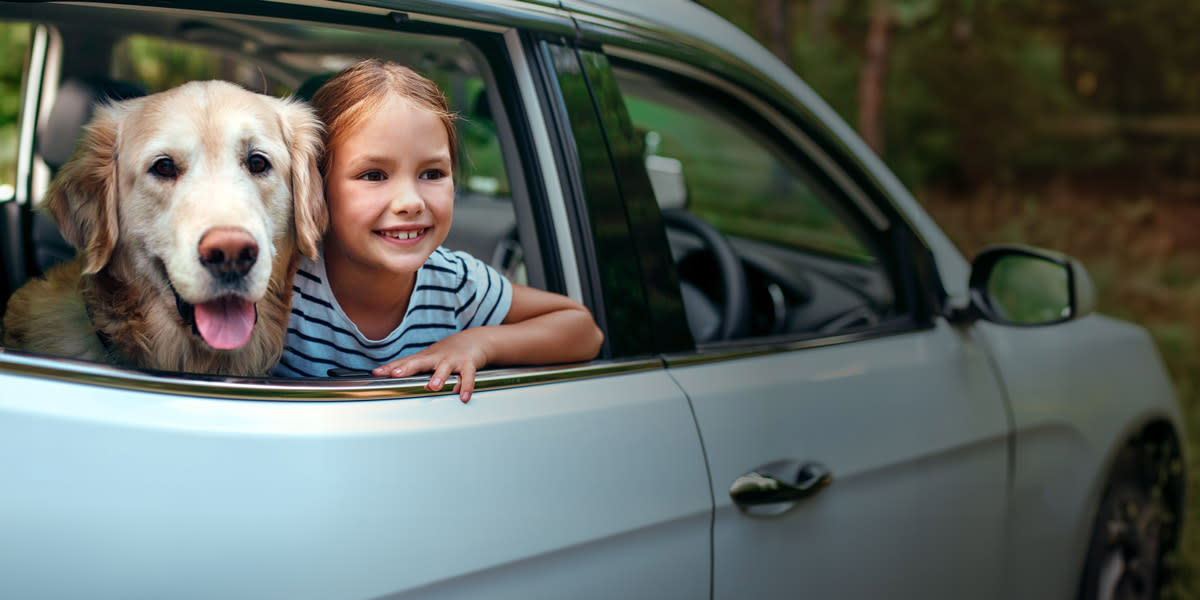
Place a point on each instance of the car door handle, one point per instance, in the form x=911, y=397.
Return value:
x=768, y=491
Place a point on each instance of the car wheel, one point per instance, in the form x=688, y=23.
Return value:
x=1136, y=524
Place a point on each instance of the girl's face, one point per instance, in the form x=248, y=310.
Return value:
x=390, y=190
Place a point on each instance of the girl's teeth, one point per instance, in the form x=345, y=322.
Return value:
x=404, y=235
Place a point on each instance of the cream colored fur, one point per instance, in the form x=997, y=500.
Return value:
x=137, y=233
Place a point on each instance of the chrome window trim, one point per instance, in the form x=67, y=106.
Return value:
x=754, y=347
x=785, y=126
x=560, y=221
x=347, y=389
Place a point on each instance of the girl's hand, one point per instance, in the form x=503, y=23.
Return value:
x=462, y=353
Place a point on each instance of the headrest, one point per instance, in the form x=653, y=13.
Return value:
x=311, y=85
x=74, y=104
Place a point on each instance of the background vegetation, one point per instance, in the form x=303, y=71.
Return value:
x=1067, y=124
x=14, y=39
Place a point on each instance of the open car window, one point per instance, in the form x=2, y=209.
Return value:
x=114, y=53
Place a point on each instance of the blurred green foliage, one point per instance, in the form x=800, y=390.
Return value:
x=14, y=40
x=992, y=90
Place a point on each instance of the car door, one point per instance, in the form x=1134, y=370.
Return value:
x=581, y=481
x=857, y=447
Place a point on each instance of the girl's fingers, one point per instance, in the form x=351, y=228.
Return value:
x=466, y=383
x=389, y=368
x=442, y=368
x=440, y=375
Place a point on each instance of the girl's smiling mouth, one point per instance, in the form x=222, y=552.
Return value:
x=403, y=235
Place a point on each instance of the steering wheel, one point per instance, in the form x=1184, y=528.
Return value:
x=734, y=317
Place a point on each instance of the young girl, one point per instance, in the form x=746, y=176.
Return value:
x=384, y=290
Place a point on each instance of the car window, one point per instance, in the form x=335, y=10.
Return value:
x=116, y=52
x=809, y=264
x=737, y=182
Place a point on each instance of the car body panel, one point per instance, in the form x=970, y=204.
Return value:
x=1077, y=390
x=129, y=491
x=914, y=430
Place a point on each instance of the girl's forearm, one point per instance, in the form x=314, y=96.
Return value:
x=561, y=336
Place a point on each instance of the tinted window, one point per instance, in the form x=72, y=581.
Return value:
x=810, y=266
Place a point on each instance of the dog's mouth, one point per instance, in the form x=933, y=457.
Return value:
x=224, y=323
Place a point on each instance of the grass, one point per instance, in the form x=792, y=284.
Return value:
x=1138, y=239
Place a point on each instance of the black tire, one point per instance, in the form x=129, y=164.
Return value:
x=1136, y=525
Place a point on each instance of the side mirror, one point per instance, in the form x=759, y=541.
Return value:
x=1024, y=286
x=666, y=178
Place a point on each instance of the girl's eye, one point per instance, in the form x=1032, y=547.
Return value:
x=258, y=163
x=372, y=176
x=165, y=168
x=433, y=174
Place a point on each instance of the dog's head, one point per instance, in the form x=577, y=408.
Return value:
x=201, y=186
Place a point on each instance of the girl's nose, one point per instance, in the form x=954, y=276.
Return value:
x=406, y=200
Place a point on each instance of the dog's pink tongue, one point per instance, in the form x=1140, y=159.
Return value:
x=225, y=323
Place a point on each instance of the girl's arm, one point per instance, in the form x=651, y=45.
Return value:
x=541, y=328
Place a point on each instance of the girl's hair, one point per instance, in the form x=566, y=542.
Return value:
x=357, y=91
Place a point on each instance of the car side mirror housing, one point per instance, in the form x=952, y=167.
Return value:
x=1025, y=286
x=666, y=178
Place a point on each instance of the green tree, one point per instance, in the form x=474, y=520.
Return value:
x=14, y=44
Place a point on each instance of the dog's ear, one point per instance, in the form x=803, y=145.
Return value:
x=82, y=199
x=303, y=132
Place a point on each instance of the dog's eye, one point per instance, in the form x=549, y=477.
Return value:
x=258, y=163
x=165, y=168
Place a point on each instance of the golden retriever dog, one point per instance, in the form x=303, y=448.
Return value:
x=189, y=209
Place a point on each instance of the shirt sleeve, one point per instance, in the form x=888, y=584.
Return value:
x=487, y=295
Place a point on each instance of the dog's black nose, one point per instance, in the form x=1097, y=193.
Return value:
x=228, y=252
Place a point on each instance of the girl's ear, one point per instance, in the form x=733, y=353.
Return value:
x=83, y=197
x=302, y=131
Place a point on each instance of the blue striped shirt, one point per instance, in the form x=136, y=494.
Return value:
x=454, y=291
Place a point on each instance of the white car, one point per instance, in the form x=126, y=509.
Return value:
x=805, y=389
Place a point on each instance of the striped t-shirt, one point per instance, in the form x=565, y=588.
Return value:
x=454, y=291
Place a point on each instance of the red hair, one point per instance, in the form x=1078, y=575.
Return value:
x=355, y=92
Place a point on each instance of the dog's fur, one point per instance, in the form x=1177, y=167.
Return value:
x=129, y=296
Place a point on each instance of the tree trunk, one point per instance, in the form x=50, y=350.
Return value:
x=818, y=15
x=773, y=16
x=873, y=78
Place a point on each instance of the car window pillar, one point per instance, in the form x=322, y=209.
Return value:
x=634, y=272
